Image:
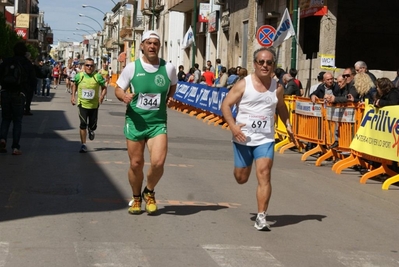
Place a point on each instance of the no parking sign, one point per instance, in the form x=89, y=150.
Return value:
x=265, y=35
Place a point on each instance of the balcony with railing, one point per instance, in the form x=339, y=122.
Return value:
x=7, y=2
x=34, y=10
x=181, y=5
x=152, y=7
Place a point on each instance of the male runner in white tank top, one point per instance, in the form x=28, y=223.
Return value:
x=257, y=97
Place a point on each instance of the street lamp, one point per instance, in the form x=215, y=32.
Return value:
x=84, y=6
x=79, y=23
x=79, y=29
x=101, y=27
x=83, y=15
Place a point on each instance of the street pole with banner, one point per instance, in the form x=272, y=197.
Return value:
x=294, y=40
x=194, y=47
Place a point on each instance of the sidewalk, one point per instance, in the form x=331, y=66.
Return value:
x=51, y=165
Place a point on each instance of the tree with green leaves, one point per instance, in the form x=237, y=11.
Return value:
x=9, y=38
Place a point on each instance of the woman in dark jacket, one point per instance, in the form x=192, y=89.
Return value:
x=387, y=95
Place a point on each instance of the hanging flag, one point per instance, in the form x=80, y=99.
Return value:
x=285, y=30
x=188, y=39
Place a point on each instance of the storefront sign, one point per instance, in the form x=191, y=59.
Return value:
x=213, y=22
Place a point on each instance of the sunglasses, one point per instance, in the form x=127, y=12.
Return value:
x=88, y=65
x=262, y=62
x=346, y=75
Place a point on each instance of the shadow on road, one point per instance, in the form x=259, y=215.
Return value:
x=187, y=210
x=51, y=177
x=284, y=220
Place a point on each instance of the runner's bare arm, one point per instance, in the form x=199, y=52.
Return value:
x=230, y=100
x=122, y=95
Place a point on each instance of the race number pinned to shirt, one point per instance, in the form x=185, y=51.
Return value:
x=88, y=93
x=259, y=124
x=149, y=101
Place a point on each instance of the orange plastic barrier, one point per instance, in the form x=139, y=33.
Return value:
x=280, y=129
x=341, y=120
x=307, y=125
x=114, y=78
x=346, y=134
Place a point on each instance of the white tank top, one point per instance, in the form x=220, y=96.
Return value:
x=256, y=110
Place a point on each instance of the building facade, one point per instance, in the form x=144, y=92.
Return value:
x=322, y=35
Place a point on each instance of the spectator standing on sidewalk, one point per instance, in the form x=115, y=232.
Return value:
x=30, y=89
x=257, y=97
x=319, y=81
x=361, y=66
x=388, y=94
x=47, y=80
x=209, y=76
x=294, y=72
x=91, y=90
x=181, y=75
x=39, y=76
x=16, y=76
x=211, y=68
x=105, y=74
x=218, y=68
x=153, y=84
x=222, y=80
x=290, y=86
x=197, y=74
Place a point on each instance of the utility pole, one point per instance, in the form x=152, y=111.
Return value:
x=294, y=40
x=194, y=47
x=153, y=15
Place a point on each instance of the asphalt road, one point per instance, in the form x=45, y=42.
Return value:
x=62, y=208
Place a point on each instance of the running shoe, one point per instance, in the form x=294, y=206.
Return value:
x=135, y=205
x=16, y=152
x=91, y=135
x=3, y=148
x=83, y=149
x=150, y=203
x=260, y=222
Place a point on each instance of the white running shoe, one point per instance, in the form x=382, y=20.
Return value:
x=260, y=222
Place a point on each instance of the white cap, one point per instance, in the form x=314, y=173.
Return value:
x=149, y=34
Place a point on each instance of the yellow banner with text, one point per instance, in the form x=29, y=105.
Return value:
x=378, y=134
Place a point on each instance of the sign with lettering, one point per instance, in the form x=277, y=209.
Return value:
x=327, y=62
x=22, y=21
x=22, y=32
x=378, y=133
x=308, y=108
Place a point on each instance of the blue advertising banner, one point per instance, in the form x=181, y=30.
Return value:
x=202, y=97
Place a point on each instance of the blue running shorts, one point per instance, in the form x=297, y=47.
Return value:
x=245, y=155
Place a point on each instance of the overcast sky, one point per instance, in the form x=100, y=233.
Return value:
x=62, y=16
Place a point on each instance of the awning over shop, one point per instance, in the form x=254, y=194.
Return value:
x=309, y=8
x=314, y=11
x=181, y=5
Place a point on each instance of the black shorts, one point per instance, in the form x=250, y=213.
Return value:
x=88, y=118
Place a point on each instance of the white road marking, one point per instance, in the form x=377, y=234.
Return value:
x=362, y=258
x=238, y=256
x=105, y=254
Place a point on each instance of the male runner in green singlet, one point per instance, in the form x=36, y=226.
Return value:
x=153, y=84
